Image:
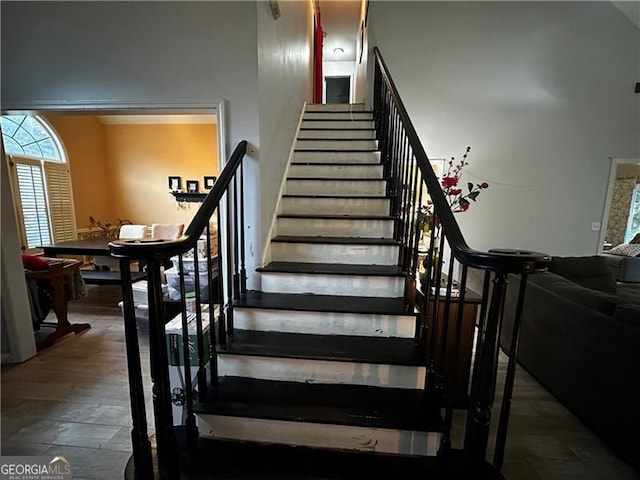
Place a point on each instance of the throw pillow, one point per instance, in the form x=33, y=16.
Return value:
x=636, y=239
x=589, y=272
x=34, y=262
x=625, y=250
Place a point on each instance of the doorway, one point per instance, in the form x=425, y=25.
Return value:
x=18, y=342
x=338, y=89
x=621, y=219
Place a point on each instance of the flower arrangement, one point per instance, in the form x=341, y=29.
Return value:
x=458, y=201
x=106, y=229
x=450, y=182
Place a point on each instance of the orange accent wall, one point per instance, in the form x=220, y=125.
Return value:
x=83, y=139
x=141, y=157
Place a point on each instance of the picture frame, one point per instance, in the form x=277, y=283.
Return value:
x=192, y=186
x=209, y=181
x=175, y=183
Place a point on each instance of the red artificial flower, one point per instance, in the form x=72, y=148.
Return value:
x=464, y=207
x=484, y=185
x=448, y=182
x=455, y=191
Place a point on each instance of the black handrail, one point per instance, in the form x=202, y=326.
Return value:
x=156, y=254
x=408, y=168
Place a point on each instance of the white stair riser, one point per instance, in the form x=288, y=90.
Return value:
x=334, y=107
x=329, y=436
x=338, y=116
x=329, y=134
x=336, y=206
x=329, y=284
x=336, y=144
x=321, y=371
x=335, y=171
x=335, y=253
x=324, y=323
x=346, y=124
x=321, y=227
x=337, y=157
x=344, y=188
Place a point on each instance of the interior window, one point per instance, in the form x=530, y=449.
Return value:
x=40, y=181
x=633, y=227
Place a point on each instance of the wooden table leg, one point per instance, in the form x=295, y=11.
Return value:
x=60, y=308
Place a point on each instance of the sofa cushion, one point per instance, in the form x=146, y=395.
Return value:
x=628, y=313
x=590, y=272
x=589, y=298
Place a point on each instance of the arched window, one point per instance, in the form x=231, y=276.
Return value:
x=40, y=181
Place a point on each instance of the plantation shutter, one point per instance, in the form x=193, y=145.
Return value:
x=61, y=211
x=33, y=201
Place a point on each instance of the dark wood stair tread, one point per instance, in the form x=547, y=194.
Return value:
x=346, y=216
x=357, y=197
x=339, y=139
x=335, y=240
x=356, y=405
x=323, y=303
x=332, y=269
x=337, y=164
x=221, y=459
x=340, y=348
x=334, y=129
x=339, y=179
x=351, y=150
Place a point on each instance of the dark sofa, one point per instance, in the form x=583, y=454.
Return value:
x=580, y=338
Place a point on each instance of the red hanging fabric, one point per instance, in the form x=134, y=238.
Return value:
x=317, y=57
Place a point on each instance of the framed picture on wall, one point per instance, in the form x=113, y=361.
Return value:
x=192, y=186
x=175, y=184
x=209, y=181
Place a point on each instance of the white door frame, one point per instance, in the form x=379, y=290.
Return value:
x=20, y=333
x=607, y=204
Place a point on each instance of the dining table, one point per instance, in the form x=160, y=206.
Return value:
x=97, y=246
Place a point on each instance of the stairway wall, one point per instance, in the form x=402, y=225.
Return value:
x=543, y=93
x=284, y=83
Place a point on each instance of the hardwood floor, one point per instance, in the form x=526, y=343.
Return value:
x=72, y=399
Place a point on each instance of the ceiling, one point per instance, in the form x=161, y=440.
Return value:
x=341, y=19
x=340, y=22
x=631, y=9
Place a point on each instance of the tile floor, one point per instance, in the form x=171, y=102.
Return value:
x=72, y=400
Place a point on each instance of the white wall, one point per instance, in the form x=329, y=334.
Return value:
x=360, y=88
x=541, y=91
x=284, y=73
x=115, y=53
x=87, y=55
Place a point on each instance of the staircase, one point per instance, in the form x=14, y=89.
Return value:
x=338, y=368
x=325, y=355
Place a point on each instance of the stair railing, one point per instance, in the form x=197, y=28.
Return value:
x=210, y=307
x=412, y=183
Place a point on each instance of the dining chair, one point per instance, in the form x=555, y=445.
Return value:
x=127, y=232
x=167, y=231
